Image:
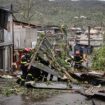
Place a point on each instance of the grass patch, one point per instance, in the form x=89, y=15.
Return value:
x=9, y=88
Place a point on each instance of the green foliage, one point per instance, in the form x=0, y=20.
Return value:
x=99, y=59
x=9, y=87
x=45, y=12
x=63, y=63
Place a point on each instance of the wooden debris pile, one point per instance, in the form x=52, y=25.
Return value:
x=93, y=78
x=94, y=92
x=45, y=60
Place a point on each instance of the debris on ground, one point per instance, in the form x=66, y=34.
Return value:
x=8, y=87
x=94, y=92
x=54, y=68
x=45, y=67
x=6, y=76
x=94, y=78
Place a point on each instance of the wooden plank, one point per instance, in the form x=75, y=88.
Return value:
x=35, y=54
x=5, y=44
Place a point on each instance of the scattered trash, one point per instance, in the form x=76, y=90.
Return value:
x=91, y=77
x=94, y=92
x=6, y=77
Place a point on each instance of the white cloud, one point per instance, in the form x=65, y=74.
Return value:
x=74, y=0
x=51, y=0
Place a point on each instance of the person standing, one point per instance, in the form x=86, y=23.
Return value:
x=78, y=59
x=23, y=66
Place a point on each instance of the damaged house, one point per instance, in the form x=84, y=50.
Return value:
x=21, y=35
x=6, y=39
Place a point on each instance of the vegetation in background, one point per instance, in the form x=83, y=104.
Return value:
x=98, y=61
x=58, y=11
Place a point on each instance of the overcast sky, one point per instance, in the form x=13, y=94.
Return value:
x=101, y=0
x=89, y=0
x=78, y=0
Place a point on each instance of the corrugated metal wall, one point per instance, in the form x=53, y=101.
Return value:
x=23, y=37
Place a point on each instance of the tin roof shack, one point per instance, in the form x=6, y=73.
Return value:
x=77, y=30
x=25, y=35
x=54, y=34
x=52, y=29
x=96, y=38
x=6, y=39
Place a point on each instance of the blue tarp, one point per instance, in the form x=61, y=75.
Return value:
x=83, y=49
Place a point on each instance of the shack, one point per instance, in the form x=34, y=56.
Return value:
x=6, y=39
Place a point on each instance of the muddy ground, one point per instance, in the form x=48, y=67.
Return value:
x=13, y=94
x=61, y=99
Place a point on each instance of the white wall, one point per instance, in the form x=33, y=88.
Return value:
x=24, y=36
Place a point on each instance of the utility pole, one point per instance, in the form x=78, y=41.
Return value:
x=89, y=47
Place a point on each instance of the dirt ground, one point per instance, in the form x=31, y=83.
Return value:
x=61, y=99
x=13, y=94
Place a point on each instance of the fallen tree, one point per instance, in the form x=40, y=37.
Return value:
x=44, y=47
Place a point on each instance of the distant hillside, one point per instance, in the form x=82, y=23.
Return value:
x=58, y=11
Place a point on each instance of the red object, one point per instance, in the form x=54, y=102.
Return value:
x=27, y=49
x=77, y=52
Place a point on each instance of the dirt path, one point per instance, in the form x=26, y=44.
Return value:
x=54, y=97
x=65, y=99
x=62, y=99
